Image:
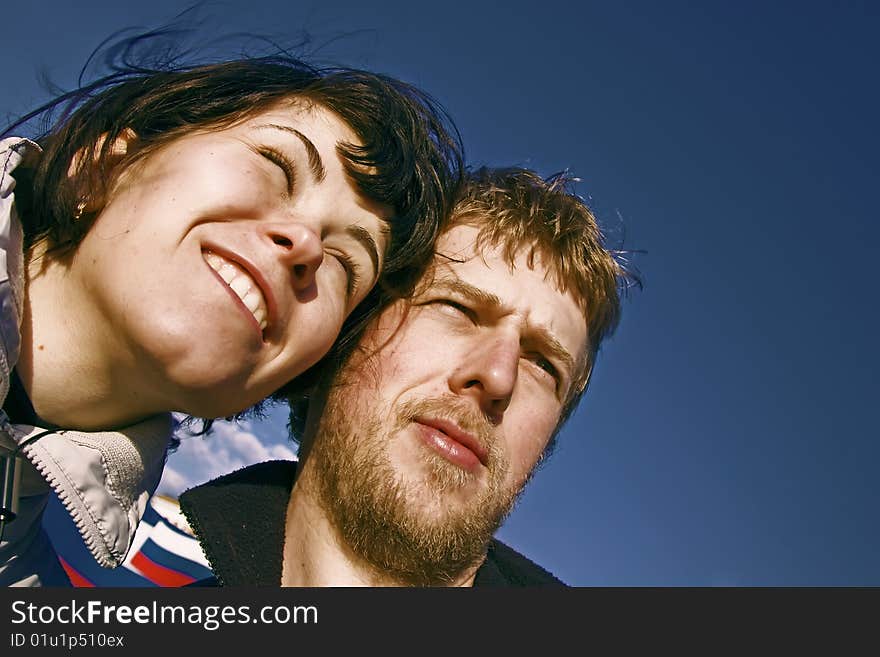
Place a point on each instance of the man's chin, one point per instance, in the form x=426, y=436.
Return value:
x=426, y=529
x=429, y=542
x=412, y=515
x=434, y=510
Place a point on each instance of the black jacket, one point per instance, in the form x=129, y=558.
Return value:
x=239, y=520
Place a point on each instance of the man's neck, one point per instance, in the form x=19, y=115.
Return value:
x=315, y=553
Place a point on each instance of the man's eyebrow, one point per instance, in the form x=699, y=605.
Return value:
x=363, y=236
x=471, y=292
x=539, y=335
x=315, y=162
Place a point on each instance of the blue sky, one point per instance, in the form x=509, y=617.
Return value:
x=729, y=435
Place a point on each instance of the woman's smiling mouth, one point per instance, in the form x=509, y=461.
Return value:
x=240, y=282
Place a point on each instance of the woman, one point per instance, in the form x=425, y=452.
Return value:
x=191, y=240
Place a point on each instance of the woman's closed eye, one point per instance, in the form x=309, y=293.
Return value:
x=352, y=271
x=283, y=162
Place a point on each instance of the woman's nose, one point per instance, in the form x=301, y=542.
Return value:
x=301, y=249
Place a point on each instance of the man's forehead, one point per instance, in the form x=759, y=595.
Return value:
x=460, y=262
x=460, y=258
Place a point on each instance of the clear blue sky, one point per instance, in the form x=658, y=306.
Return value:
x=729, y=435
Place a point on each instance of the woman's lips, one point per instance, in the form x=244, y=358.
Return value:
x=242, y=283
x=257, y=299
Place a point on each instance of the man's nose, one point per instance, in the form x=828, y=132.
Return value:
x=488, y=372
x=300, y=248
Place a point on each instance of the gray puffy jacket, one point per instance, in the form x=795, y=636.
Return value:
x=103, y=479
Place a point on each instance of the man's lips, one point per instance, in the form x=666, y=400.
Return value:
x=453, y=442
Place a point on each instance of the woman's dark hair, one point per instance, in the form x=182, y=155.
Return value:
x=410, y=158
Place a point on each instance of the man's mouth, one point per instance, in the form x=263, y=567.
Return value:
x=453, y=443
x=240, y=282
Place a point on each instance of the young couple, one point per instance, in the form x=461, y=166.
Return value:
x=198, y=240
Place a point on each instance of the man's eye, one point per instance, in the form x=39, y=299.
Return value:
x=453, y=309
x=283, y=162
x=545, y=365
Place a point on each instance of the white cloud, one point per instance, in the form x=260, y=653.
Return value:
x=228, y=447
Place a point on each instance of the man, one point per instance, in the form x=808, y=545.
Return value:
x=416, y=448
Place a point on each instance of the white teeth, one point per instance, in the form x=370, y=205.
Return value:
x=242, y=284
x=251, y=300
x=227, y=272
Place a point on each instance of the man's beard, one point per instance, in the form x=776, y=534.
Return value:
x=412, y=528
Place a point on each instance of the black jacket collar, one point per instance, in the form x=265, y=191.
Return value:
x=239, y=520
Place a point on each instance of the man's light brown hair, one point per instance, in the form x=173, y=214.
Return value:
x=516, y=209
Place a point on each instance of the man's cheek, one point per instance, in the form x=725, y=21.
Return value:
x=408, y=364
x=527, y=450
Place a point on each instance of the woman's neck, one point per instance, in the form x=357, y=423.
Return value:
x=69, y=363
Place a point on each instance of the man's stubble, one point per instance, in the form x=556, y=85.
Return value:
x=413, y=528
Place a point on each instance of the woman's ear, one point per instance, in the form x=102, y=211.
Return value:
x=89, y=154
x=89, y=165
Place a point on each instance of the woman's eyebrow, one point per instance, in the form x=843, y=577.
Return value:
x=316, y=164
